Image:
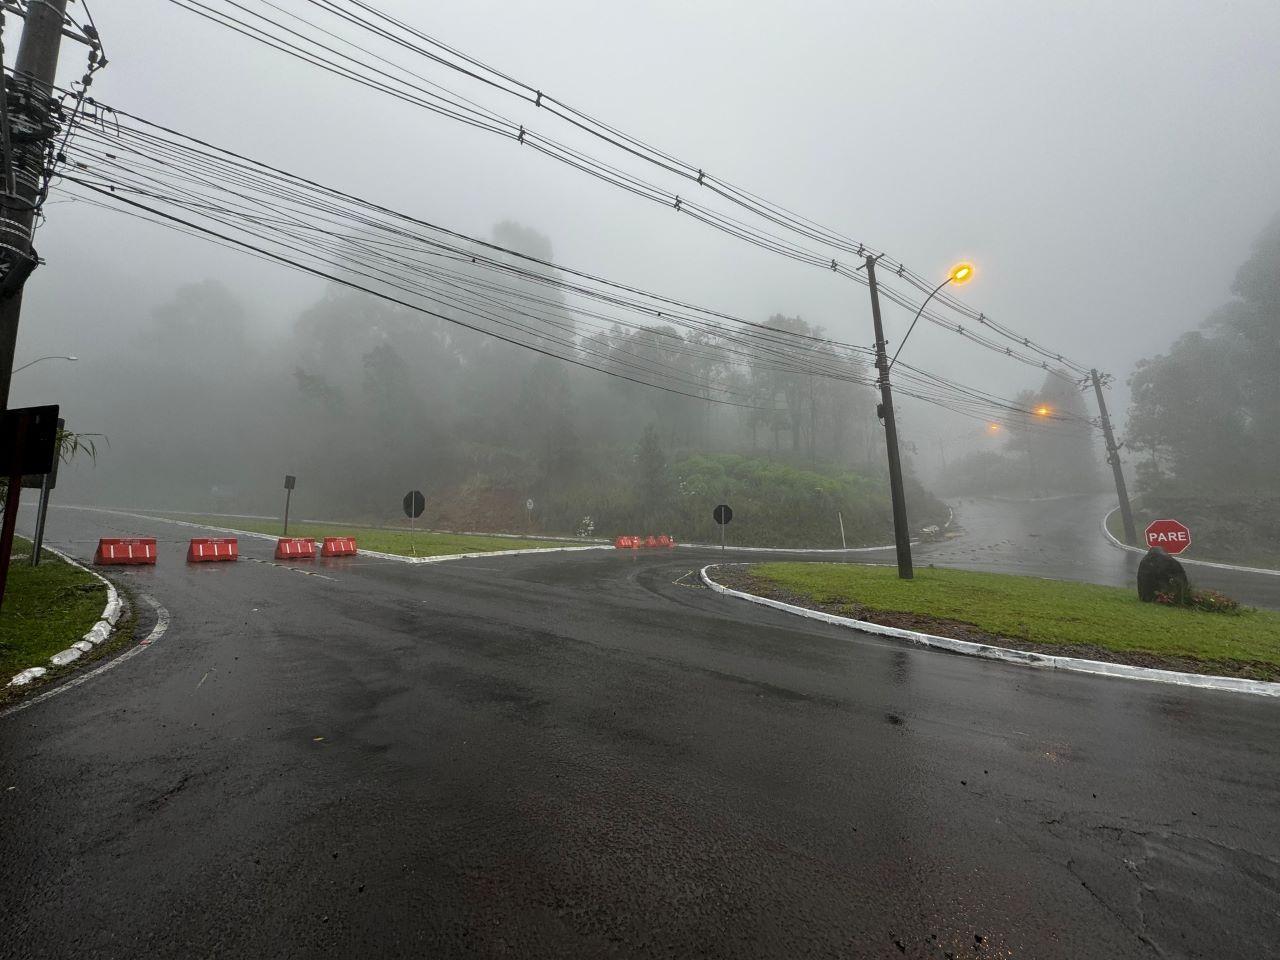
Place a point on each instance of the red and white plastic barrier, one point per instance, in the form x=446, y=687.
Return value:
x=203, y=549
x=338, y=547
x=647, y=543
x=295, y=548
x=128, y=550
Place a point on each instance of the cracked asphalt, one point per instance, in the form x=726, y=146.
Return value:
x=589, y=755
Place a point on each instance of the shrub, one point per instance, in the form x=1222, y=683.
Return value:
x=1208, y=601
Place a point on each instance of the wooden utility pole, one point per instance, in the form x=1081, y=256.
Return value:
x=1113, y=458
x=901, y=532
x=28, y=103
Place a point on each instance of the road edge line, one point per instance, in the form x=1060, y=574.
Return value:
x=1111, y=538
x=1008, y=655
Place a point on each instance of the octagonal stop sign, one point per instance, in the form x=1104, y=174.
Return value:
x=1172, y=535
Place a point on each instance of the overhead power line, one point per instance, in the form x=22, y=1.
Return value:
x=221, y=195
x=314, y=44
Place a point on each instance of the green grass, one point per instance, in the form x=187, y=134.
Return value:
x=46, y=609
x=1041, y=611
x=403, y=543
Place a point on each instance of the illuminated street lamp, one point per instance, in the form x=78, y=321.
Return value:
x=961, y=273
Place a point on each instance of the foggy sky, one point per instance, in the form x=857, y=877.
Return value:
x=1106, y=165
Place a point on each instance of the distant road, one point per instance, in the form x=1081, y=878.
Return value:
x=1062, y=537
x=589, y=755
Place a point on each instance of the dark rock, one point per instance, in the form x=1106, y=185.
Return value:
x=1160, y=573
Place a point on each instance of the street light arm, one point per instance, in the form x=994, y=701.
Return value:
x=917, y=320
x=38, y=359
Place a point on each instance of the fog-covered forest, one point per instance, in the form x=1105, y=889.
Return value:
x=363, y=400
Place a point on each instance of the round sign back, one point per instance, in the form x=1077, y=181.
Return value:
x=414, y=504
x=722, y=514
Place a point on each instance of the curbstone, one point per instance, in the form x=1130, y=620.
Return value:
x=1024, y=657
x=96, y=634
x=63, y=657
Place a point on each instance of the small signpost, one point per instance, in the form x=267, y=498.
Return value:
x=289, y=481
x=722, y=514
x=1171, y=535
x=414, y=504
x=528, y=515
x=45, y=482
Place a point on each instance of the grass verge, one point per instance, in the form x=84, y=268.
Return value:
x=46, y=609
x=1046, y=616
x=403, y=543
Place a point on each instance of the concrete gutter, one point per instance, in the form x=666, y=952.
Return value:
x=1008, y=655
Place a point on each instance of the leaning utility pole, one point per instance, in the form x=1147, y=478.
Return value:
x=901, y=532
x=1113, y=458
x=27, y=104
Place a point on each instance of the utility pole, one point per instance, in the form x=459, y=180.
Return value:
x=901, y=532
x=28, y=104
x=1113, y=458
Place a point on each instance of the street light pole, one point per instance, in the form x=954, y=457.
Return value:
x=901, y=532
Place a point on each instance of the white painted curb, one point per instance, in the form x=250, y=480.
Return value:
x=1267, y=571
x=1024, y=657
x=474, y=556
x=97, y=634
x=716, y=546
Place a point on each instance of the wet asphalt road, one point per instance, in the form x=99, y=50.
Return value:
x=586, y=755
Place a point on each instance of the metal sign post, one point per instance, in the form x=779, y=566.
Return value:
x=414, y=503
x=47, y=482
x=528, y=515
x=722, y=514
x=289, y=481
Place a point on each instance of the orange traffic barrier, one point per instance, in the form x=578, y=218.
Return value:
x=295, y=548
x=127, y=550
x=650, y=542
x=202, y=549
x=338, y=547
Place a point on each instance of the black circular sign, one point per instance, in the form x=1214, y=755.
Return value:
x=723, y=514
x=414, y=504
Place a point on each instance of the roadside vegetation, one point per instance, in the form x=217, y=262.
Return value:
x=1047, y=616
x=405, y=543
x=46, y=609
x=1204, y=422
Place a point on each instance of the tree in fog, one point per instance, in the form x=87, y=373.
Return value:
x=1206, y=415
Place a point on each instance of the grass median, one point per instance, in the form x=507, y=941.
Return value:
x=405, y=543
x=46, y=609
x=1028, y=613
